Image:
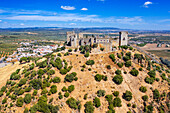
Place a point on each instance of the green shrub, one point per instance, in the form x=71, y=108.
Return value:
x=96, y=102
x=22, y=82
x=163, y=76
x=35, y=92
x=42, y=104
x=53, y=89
x=156, y=94
x=128, y=63
x=88, y=107
x=129, y=104
x=118, y=79
x=143, y=89
x=66, y=94
x=76, y=78
x=102, y=49
x=27, y=74
x=21, y=92
x=59, y=54
x=69, y=50
x=56, y=80
x=19, y=102
x=98, y=77
x=82, y=69
x=131, y=48
x=111, y=106
x=145, y=98
x=120, y=65
x=36, y=83
x=4, y=100
x=108, y=66
x=90, y=62
x=60, y=96
x=134, y=72
x=28, y=89
x=51, y=72
x=104, y=78
x=51, y=100
x=111, y=111
x=117, y=102
x=127, y=96
x=149, y=80
x=85, y=96
x=44, y=91
x=70, y=77
x=126, y=58
x=13, y=97
x=64, y=89
x=26, y=110
x=101, y=93
x=116, y=93
x=134, y=106
x=1, y=93
x=119, y=56
x=87, y=54
x=109, y=98
x=63, y=71
x=70, y=88
x=3, y=88
x=152, y=73
x=157, y=79
x=27, y=98
x=72, y=103
x=112, y=56
x=118, y=72
x=11, y=105
x=34, y=108
x=140, y=69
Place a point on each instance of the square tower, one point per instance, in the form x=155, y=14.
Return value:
x=72, y=39
x=123, y=38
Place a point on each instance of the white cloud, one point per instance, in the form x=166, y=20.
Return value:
x=101, y=0
x=68, y=7
x=165, y=20
x=21, y=24
x=84, y=9
x=146, y=4
x=0, y=20
x=73, y=18
x=2, y=11
x=128, y=20
x=61, y=17
x=28, y=12
x=72, y=24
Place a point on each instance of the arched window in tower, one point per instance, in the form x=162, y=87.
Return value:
x=124, y=38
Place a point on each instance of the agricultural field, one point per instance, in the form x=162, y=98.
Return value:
x=161, y=53
x=7, y=49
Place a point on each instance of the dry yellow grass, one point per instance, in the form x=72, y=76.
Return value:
x=87, y=84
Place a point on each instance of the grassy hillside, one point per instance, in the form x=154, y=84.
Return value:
x=121, y=81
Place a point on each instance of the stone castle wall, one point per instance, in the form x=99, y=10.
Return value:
x=106, y=42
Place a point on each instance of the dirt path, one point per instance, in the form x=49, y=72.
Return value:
x=6, y=71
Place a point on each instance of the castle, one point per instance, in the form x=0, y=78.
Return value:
x=106, y=42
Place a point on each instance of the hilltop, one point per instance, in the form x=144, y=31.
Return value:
x=121, y=81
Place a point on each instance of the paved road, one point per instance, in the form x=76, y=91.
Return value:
x=150, y=56
x=3, y=64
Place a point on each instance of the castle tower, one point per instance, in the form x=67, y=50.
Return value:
x=72, y=39
x=123, y=38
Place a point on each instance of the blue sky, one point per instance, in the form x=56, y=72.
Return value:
x=131, y=14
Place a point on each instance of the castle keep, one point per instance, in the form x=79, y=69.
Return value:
x=106, y=42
